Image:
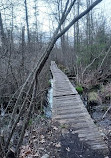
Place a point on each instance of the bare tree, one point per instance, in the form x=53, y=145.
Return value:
x=3, y=37
x=29, y=84
x=27, y=20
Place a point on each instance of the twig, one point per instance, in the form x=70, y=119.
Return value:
x=40, y=64
x=10, y=102
x=90, y=64
x=106, y=112
x=104, y=57
x=26, y=119
x=21, y=91
x=18, y=118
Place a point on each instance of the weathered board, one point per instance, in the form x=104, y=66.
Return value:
x=69, y=108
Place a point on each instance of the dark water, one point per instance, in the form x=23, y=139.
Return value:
x=48, y=109
x=97, y=114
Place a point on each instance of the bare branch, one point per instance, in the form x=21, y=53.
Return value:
x=27, y=117
x=78, y=18
x=90, y=64
x=68, y=11
x=57, y=35
x=105, y=57
x=106, y=112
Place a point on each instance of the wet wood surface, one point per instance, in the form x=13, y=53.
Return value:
x=68, y=108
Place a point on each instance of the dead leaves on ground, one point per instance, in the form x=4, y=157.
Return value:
x=25, y=151
x=57, y=145
x=41, y=141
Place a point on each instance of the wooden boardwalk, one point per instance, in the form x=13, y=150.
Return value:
x=69, y=108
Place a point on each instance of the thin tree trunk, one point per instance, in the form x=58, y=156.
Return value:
x=27, y=20
x=27, y=118
x=42, y=62
x=77, y=28
x=36, y=20
x=23, y=53
x=18, y=117
x=3, y=37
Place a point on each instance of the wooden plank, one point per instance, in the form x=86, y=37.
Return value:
x=68, y=108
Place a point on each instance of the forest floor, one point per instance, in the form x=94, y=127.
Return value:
x=45, y=138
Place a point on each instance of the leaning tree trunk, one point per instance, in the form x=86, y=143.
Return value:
x=41, y=64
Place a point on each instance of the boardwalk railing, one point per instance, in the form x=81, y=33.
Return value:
x=69, y=108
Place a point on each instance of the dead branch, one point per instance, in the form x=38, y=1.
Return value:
x=27, y=118
x=20, y=95
x=36, y=71
x=90, y=64
x=9, y=103
x=20, y=113
x=104, y=57
x=49, y=48
x=18, y=117
x=106, y=112
x=64, y=16
x=56, y=35
x=78, y=18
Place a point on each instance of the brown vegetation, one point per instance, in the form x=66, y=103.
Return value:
x=25, y=64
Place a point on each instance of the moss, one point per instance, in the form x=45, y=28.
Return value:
x=94, y=98
x=79, y=89
x=49, y=83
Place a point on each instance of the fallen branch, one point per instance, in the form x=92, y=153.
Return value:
x=18, y=117
x=106, y=112
x=26, y=119
x=21, y=112
x=36, y=71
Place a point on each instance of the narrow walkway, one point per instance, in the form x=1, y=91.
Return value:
x=68, y=108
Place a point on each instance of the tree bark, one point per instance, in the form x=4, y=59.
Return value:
x=27, y=20
x=3, y=37
x=56, y=35
x=27, y=118
x=42, y=61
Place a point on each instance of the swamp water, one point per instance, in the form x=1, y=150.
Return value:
x=97, y=112
x=48, y=108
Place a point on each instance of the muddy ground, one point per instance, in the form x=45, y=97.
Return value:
x=48, y=139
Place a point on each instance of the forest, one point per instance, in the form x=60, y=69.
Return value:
x=76, y=34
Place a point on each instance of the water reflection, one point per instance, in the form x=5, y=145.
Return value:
x=48, y=109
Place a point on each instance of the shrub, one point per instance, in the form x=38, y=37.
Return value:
x=105, y=93
x=94, y=99
x=79, y=89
